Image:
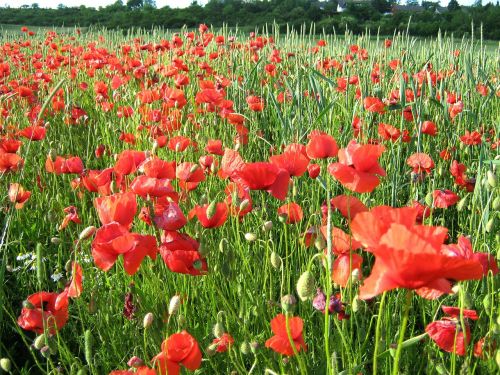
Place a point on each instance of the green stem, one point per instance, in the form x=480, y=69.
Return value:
x=377, y=333
x=409, y=295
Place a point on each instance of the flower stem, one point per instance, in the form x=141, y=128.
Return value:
x=409, y=295
x=377, y=333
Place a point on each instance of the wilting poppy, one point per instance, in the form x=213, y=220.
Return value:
x=358, y=168
x=444, y=198
x=179, y=349
x=18, y=195
x=223, y=343
x=280, y=342
x=447, y=333
x=41, y=313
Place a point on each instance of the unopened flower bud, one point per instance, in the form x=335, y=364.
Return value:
x=428, y=199
x=288, y=303
x=87, y=233
x=174, y=304
x=181, y=320
x=276, y=261
x=218, y=330
x=244, y=204
x=211, y=350
x=5, y=364
x=211, y=210
x=28, y=305
x=496, y=203
x=40, y=341
x=245, y=348
x=492, y=178
x=148, y=320
x=490, y=225
x=194, y=168
x=355, y=275
x=197, y=264
x=305, y=286
x=461, y=203
x=250, y=237
x=320, y=243
x=268, y=225
x=55, y=240
x=254, y=346
x=45, y=351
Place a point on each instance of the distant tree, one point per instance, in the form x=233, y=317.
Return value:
x=135, y=4
x=453, y=5
x=412, y=2
x=478, y=4
x=35, y=6
x=61, y=6
x=151, y=4
x=382, y=6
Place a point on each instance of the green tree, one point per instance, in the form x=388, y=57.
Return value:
x=135, y=4
x=453, y=5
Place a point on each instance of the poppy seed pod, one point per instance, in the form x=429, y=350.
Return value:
x=276, y=261
x=40, y=341
x=5, y=364
x=245, y=348
x=288, y=303
x=496, y=203
x=148, y=320
x=305, y=286
x=174, y=304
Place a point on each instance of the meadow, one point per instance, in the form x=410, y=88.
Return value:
x=215, y=201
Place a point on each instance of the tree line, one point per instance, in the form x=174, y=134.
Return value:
x=358, y=16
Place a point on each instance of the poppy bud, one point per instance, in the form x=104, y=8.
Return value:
x=174, y=304
x=250, y=237
x=490, y=225
x=440, y=369
x=456, y=288
x=245, y=348
x=355, y=276
x=244, y=204
x=67, y=266
x=194, y=168
x=461, y=203
x=305, y=286
x=320, y=243
x=497, y=357
x=87, y=233
x=88, y=346
x=268, y=225
x=39, y=264
x=52, y=155
x=254, y=346
x=5, y=364
x=112, y=186
x=211, y=210
x=288, y=303
x=487, y=303
x=221, y=245
x=282, y=218
x=148, y=320
x=496, y=203
x=492, y=178
x=155, y=147
x=356, y=304
x=55, y=240
x=92, y=304
x=468, y=300
x=203, y=199
x=428, y=199
x=218, y=330
x=211, y=350
x=40, y=341
x=28, y=305
x=276, y=261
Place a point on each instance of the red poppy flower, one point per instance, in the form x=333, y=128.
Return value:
x=447, y=333
x=71, y=216
x=420, y=162
x=210, y=219
x=265, y=176
x=113, y=239
x=178, y=143
x=64, y=166
x=255, y=103
x=43, y=313
x=75, y=286
x=18, y=195
x=153, y=187
x=119, y=207
x=190, y=175
x=313, y=170
x=179, y=349
x=348, y=205
x=280, y=342
x=128, y=161
x=169, y=216
x=180, y=254
x=158, y=168
x=214, y=146
x=388, y=132
x=374, y=104
x=34, y=133
x=444, y=198
x=358, y=168
x=428, y=127
x=293, y=161
x=408, y=255
x=321, y=145
x=236, y=194
x=292, y=212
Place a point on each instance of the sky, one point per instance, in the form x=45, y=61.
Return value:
x=159, y=3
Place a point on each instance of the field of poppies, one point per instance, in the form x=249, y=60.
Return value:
x=219, y=202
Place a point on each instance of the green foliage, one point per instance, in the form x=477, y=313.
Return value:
x=361, y=16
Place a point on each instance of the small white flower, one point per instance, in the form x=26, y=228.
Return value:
x=56, y=276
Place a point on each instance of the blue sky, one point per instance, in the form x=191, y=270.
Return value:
x=159, y=3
